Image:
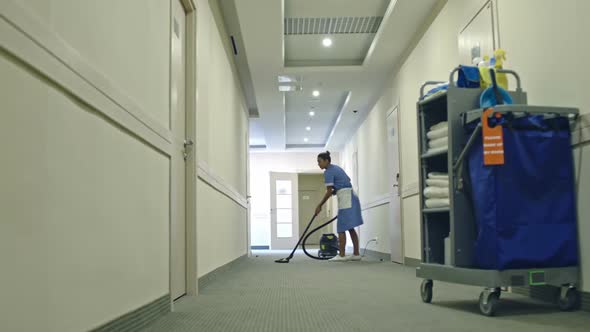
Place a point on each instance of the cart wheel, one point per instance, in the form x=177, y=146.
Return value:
x=488, y=303
x=569, y=300
x=426, y=291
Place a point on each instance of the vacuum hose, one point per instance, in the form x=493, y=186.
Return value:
x=310, y=233
x=287, y=259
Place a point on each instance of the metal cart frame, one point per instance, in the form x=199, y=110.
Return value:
x=458, y=106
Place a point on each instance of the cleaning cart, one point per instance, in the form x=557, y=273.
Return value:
x=472, y=232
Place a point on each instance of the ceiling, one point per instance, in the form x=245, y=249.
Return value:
x=285, y=38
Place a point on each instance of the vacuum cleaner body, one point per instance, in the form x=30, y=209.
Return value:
x=328, y=246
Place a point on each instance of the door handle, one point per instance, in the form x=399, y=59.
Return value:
x=188, y=142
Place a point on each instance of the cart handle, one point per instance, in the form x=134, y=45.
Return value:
x=428, y=83
x=571, y=113
x=513, y=73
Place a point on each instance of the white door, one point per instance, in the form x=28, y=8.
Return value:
x=284, y=211
x=178, y=169
x=394, y=189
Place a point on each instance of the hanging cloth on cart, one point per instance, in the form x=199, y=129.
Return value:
x=525, y=209
x=468, y=77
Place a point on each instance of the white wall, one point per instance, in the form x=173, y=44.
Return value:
x=432, y=59
x=84, y=204
x=222, y=232
x=84, y=181
x=373, y=173
x=261, y=164
x=222, y=131
x=128, y=41
x=546, y=56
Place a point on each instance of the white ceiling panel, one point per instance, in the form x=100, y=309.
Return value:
x=256, y=132
x=307, y=50
x=330, y=99
x=321, y=126
x=346, y=67
x=326, y=108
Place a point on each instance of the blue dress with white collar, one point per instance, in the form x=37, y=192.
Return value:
x=349, y=206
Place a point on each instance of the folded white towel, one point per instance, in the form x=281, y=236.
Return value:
x=437, y=150
x=439, y=126
x=438, y=133
x=438, y=175
x=434, y=203
x=439, y=183
x=436, y=192
x=438, y=143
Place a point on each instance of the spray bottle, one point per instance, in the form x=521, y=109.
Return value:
x=498, y=63
x=484, y=72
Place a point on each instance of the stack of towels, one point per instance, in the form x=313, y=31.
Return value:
x=438, y=137
x=436, y=193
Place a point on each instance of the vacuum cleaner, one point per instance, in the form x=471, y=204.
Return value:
x=328, y=243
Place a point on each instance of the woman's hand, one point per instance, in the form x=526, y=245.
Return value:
x=318, y=210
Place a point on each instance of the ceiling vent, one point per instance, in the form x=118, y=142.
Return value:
x=332, y=25
x=289, y=83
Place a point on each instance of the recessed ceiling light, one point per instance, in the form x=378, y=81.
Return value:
x=312, y=113
x=305, y=139
x=315, y=93
x=308, y=128
x=327, y=42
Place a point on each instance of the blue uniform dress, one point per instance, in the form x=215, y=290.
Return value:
x=349, y=206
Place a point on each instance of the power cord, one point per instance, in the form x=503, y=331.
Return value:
x=367, y=245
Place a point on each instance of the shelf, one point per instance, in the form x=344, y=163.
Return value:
x=436, y=154
x=437, y=210
x=433, y=99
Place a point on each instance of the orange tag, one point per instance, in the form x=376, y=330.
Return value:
x=493, y=141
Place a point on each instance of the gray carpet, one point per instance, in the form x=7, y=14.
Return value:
x=306, y=295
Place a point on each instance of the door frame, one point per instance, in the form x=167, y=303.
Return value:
x=396, y=107
x=248, y=196
x=190, y=9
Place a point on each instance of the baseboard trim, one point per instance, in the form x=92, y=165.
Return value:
x=376, y=254
x=550, y=294
x=412, y=262
x=207, y=278
x=140, y=318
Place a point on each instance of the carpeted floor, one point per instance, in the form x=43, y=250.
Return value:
x=305, y=295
